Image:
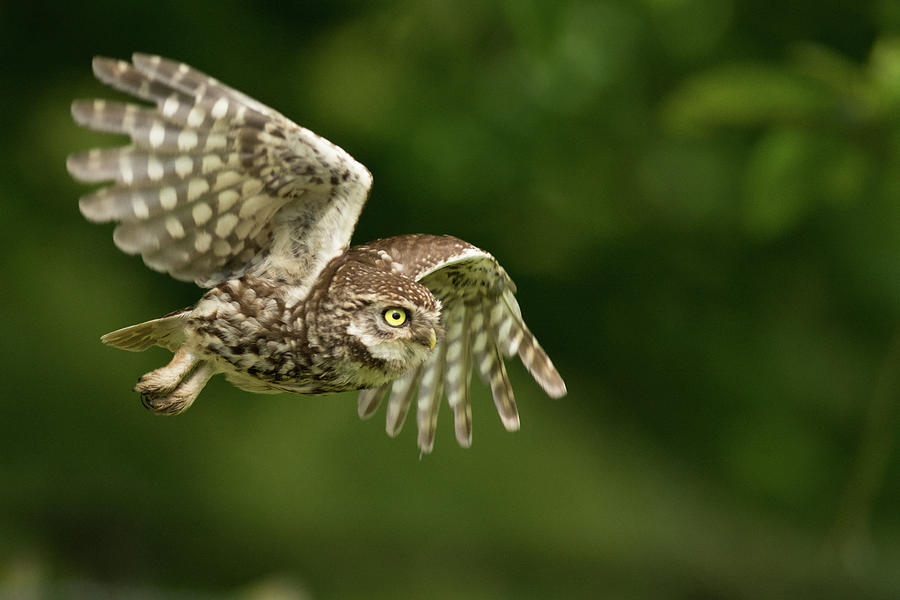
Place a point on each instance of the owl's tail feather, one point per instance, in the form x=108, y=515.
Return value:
x=166, y=332
x=172, y=389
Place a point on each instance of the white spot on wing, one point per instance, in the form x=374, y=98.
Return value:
x=141, y=211
x=227, y=179
x=527, y=354
x=244, y=228
x=196, y=188
x=154, y=168
x=486, y=363
x=195, y=117
x=226, y=224
x=227, y=200
x=187, y=139
x=215, y=142
x=251, y=187
x=170, y=106
x=202, y=241
x=251, y=205
x=201, y=213
x=221, y=248
x=157, y=134
x=503, y=331
x=512, y=345
x=126, y=172
x=174, y=227
x=211, y=162
x=184, y=165
x=454, y=373
x=168, y=198
x=220, y=108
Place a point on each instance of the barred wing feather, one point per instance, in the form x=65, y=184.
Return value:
x=214, y=184
x=482, y=323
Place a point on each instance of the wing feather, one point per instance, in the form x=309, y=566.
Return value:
x=492, y=370
x=518, y=339
x=401, y=397
x=214, y=184
x=431, y=387
x=482, y=323
x=370, y=400
x=458, y=369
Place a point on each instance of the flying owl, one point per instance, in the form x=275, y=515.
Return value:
x=219, y=189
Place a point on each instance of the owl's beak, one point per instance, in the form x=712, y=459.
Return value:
x=432, y=338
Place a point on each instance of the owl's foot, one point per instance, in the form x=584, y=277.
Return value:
x=172, y=389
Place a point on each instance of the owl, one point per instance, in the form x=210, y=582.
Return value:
x=219, y=189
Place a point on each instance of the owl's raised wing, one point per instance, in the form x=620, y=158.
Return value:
x=214, y=183
x=482, y=323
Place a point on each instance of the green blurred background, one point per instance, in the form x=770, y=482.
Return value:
x=700, y=203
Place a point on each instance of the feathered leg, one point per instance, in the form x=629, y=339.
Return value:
x=172, y=389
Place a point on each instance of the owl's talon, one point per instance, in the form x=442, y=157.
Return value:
x=174, y=401
x=171, y=389
x=165, y=405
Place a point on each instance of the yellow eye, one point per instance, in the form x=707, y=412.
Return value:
x=395, y=317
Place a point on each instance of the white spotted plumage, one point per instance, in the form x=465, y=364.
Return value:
x=204, y=160
x=218, y=188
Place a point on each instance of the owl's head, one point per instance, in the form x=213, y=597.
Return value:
x=392, y=319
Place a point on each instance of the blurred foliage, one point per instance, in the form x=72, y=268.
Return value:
x=700, y=203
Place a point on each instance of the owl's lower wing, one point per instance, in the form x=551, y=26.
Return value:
x=482, y=323
x=214, y=183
